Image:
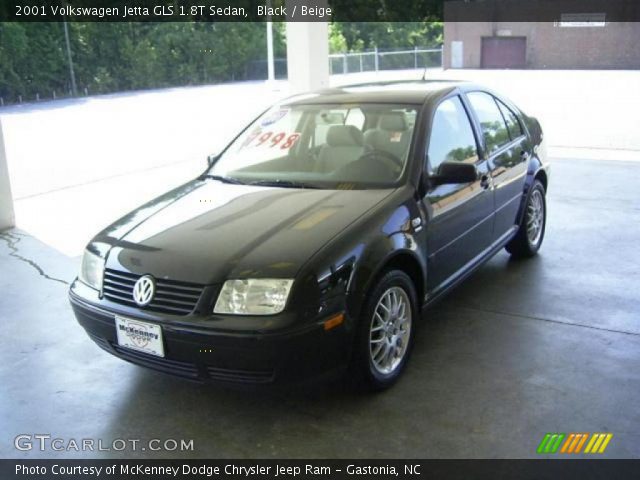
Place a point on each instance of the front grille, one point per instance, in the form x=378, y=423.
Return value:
x=184, y=369
x=174, y=367
x=241, y=376
x=172, y=297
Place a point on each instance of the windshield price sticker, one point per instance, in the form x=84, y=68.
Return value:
x=271, y=139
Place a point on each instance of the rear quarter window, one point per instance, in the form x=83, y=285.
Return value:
x=513, y=125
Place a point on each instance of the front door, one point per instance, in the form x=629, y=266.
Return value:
x=460, y=216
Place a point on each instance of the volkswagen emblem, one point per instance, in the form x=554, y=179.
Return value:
x=143, y=290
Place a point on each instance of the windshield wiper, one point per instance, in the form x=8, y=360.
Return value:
x=224, y=179
x=283, y=184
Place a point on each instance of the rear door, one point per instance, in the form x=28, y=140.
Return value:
x=460, y=215
x=506, y=147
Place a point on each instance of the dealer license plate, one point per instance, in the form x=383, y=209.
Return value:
x=141, y=336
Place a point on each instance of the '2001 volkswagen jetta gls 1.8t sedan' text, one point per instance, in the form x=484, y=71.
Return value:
x=317, y=237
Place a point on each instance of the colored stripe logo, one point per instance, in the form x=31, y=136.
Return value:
x=574, y=443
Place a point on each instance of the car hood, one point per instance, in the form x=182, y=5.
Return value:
x=207, y=231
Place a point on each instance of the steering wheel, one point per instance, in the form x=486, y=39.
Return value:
x=388, y=159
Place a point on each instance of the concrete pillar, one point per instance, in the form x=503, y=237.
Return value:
x=7, y=217
x=307, y=55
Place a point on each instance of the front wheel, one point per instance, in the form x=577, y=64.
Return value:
x=385, y=331
x=529, y=238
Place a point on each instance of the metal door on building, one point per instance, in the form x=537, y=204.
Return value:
x=504, y=52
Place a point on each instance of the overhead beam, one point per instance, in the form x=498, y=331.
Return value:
x=307, y=55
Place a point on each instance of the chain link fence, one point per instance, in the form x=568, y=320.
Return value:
x=378, y=59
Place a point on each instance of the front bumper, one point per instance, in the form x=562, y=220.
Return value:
x=238, y=357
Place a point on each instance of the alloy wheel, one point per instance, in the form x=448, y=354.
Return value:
x=390, y=330
x=535, y=217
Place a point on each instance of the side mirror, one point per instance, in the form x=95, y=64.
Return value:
x=454, y=172
x=213, y=158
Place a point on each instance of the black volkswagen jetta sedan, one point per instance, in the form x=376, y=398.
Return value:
x=317, y=237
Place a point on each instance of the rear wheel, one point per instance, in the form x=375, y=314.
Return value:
x=529, y=238
x=385, y=331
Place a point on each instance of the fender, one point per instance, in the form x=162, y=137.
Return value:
x=400, y=248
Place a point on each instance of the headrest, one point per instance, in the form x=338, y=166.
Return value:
x=383, y=140
x=376, y=138
x=393, y=122
x=344, y=136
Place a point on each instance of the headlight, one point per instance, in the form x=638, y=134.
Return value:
x=253, y=297
x=92, y=270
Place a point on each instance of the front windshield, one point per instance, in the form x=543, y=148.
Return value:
x=322, y=146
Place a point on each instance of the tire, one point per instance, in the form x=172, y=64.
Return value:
x=530, y=234
x=385, y=332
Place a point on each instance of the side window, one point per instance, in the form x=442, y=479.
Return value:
x=494, y=129
x=451, y=137
x=515, y=129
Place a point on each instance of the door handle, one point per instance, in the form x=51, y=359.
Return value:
x=524, y=155
x=484, y=181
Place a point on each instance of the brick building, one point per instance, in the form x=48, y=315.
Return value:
x=575, y=40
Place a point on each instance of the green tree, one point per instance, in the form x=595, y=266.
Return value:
x=359, y=36
x=111, y=57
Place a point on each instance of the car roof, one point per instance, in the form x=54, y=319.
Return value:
x=404, y=92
